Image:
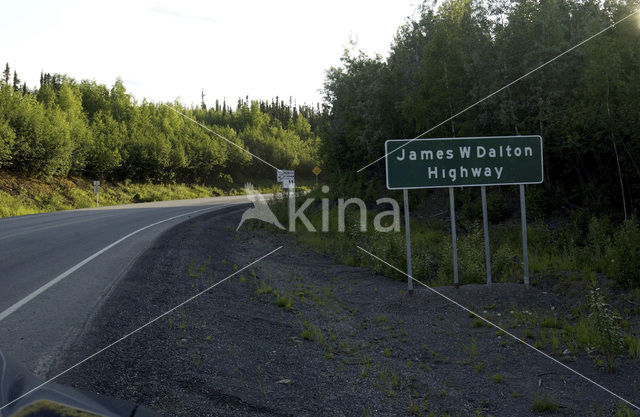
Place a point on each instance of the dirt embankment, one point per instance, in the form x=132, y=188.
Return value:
x=298, y=335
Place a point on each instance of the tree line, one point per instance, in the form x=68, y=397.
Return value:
x=584, y=104
x=65, y=127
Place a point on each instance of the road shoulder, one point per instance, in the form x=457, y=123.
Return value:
x=300, y=335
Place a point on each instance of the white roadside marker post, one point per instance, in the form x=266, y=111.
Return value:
x=454, y=248
x=96, y=190
x=407, y=229
x=485, y=222
x=525, y=252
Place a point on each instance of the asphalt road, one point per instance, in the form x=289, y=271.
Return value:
x=57, y=268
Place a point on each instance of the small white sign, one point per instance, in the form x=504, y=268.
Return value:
x=281, y=174
x=288, y=183
x=96, y=187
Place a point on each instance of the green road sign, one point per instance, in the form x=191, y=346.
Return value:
x=463, y=162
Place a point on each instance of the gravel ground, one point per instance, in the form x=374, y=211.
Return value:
x=299, y=335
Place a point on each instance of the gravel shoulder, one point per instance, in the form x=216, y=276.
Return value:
x=299, y=335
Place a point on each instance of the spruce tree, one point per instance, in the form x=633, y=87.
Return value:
x=6, y=74
x=16, y=81
x=202, y=105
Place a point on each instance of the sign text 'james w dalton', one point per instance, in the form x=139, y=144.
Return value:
x=458, y=162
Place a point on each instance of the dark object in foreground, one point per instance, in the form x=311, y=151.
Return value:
x=53, y=400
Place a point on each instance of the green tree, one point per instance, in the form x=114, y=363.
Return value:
x=16, y=81
x=104, y=156
x=6, y=74
x=7, y=137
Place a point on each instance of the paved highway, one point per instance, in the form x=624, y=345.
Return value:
x=56, y=268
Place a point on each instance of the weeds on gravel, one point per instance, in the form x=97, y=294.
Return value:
x=390, y=382
x=414, y=409
x=544, y=403
x=550, y=322
x=183, y=321
x=285, y=302
x=194, y=271
x=472, y=351
x=623, y=410
x=633, y=345
x=366, y=366
x=311, y=332
x=477, y=323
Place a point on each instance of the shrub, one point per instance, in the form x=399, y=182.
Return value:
x=606, y=324
x=284, y=302
x=504, y=263
x=543, y=403
x=470, y=257
x=633, y=345
x=599, y=240
x=625, y=254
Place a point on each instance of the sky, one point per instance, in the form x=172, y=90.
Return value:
x=168, y=50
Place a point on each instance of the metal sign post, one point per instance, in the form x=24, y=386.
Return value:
x=407, y=230
x=485, y=222
x=525, y=252
x=316, y=171
x=286, y=177
x=96, y=190
x=454, y=244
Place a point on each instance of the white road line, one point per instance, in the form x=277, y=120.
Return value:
x=140, y=328
x=6, y=313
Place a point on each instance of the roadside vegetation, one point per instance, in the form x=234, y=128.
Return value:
x=455, y=53
x=589, y=262
x=65, y=131
x=20, y=195
x=573, y=249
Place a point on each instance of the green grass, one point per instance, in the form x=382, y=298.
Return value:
x=50, y=408
x=551, y=323
x=544, y=403
x=623, y=410
x=568, y=251
x=20, y=195
x=477, y=323
x=633, y=345
x=312, y=333
x=284, y=302
x=477, y=368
